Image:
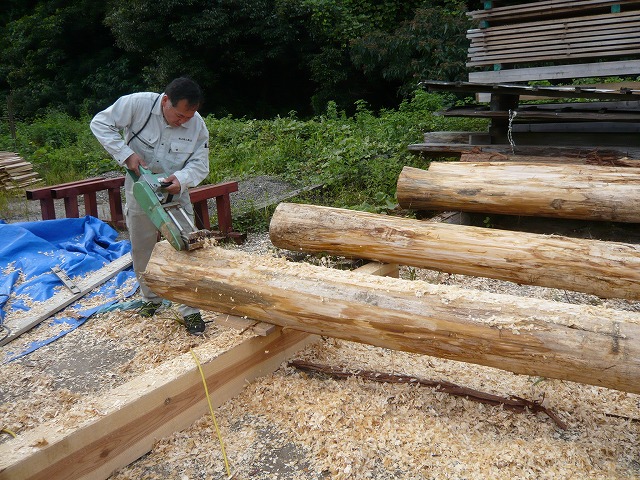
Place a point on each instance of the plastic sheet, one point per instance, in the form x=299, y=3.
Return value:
x=78, y=246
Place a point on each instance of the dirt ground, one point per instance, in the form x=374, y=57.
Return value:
x=297, y=425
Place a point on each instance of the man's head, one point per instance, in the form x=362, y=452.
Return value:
x=180, y=101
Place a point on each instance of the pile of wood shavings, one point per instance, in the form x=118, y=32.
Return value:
x=87, y=363
x=295, y=425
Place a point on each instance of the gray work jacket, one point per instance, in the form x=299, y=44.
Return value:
x=183, y=150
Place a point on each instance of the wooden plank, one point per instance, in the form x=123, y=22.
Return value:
x=240, y=323
x=513, y=13
x=550, y=35
x=380, y=269
x=64, y=298
x=573, y=21
x=447, y=149
x=595, y=51
x=86, y=187
x=570, y=41
x=542, y=115
x=204, y=192
x=134, y=416
x=499, y=157
x=578, y=127
x=588, y=52
x=45, y=192
x=583, y=37
x=505, y=88
x=558, y=72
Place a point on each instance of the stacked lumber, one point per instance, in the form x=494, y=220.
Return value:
x=15, y=172
x=522, y=335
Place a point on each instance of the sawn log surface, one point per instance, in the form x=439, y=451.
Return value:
x=587, y=344
x=606, y=269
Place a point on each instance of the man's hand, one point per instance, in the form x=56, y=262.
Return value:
x=133, y=162
x=175, y=188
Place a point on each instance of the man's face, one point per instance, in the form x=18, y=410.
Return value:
x=176, y=115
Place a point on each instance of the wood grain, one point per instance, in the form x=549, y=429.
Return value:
x=606, y=269
x=586, y=344
x=132, y=417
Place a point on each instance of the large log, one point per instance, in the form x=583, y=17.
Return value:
x=586, y=344
x=606, y=269
x=590, y=192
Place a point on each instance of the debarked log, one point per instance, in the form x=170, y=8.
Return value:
x=605, y=269
x=586, y=344
x=588, y=192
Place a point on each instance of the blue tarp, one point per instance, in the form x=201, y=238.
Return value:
x=78, y=246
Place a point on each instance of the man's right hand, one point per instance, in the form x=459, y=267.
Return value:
x=133, y=162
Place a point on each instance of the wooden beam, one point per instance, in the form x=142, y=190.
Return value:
x=244, y=324
x=132, y=417
x=558, y=72
x=587, y=192
x=542, y=9
x=606, y=269
x=581, y=343
x=589, y=151
x=563, y=160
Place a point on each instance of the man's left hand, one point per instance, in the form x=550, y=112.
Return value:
x=175, y=188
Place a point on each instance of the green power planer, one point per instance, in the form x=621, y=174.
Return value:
x=168, y=217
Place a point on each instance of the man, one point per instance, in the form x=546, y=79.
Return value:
x=164, y=133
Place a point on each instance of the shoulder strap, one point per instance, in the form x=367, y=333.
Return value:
x=135, y=134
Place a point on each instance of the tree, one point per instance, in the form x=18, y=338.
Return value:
x=244, y=53
x=256, y=58
x=59, y=55
x=430, y=46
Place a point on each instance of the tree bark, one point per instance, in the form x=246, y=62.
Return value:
x=605, y=269
x=588, y=192
x=586, y=344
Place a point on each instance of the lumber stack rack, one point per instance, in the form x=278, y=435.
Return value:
x=88, y=188
x=560, y=41
x=15, y=172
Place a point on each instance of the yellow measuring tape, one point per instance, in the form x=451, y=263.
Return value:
x=215, y=423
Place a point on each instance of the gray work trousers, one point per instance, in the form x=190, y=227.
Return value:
x=144, y=235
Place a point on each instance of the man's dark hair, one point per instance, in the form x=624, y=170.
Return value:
x=183, y=88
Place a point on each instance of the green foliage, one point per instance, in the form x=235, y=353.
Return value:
x=253, y=58
x=429, y=45
x=358, y=158
x=60, y=147
x=58, y=55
